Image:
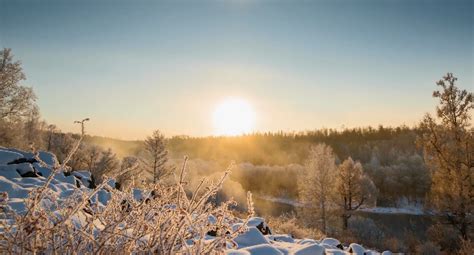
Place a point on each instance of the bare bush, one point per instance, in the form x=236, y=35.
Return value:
x=428, y=248
x=289, y=224
x=467, y=246
x=366, y=231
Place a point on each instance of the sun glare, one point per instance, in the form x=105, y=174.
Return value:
x=233, y=117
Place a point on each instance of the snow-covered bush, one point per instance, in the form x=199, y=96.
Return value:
x=61, y=216
x=163, y=220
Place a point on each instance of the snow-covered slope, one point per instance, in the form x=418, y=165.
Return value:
x=20, y=173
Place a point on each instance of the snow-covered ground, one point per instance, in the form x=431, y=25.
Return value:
x=394, y=210
x=20, y=173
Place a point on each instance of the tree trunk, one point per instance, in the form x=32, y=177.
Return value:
x=323, y=216
x=345, y=222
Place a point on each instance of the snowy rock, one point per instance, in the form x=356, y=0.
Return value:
x=283, y=250
x=281, y=238
x=236, y=227
x=26, y=170
x=307, y=241
x=43, y=171
x=356, y=249
x=260, y=224
x=8, y=156
x=137, y=194
x=251, y=237
x=23, y=160
x=263, y=249
x=60, y=177
x=334, y=243
x=336, y=252
x=48, y=158
x=312, y=249
x=85, y=177
x=12, y=188
x=9, y=172
x=236, y=252
x=112, y=183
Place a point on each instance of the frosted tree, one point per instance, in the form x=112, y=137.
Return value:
x=156, y=157
x=314, y=184
x=448, y=143
x=91, y=156
x=107, y=163
x=15, y=100
x=352, y=189
x=51, y=132
x=129, y=174
x=33, y=129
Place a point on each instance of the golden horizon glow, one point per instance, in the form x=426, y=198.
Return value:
x=233, y=116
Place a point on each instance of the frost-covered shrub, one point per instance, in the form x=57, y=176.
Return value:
x=290, y=225
x=158, y=219
x=163, y=220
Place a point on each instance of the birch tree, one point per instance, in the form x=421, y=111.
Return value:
x=353, y=189
x=315, y=182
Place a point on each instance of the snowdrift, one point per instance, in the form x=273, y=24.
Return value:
x=21, y=173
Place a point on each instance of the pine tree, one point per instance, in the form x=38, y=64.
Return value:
x=156, y=157
x=448, y=143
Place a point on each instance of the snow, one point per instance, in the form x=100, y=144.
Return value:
x=9, y=171
x=331, y=242
x=335, y=252
x=255, y=221
x=24, y=168
x=263, y=249
x=356, y=249
x=395, y=210
x=251, y=241
x=236, y=252
x=405, y=209
x=251, y=237
x=8, y=156
x=281, y=238
x=12, y=188
x=312, y=249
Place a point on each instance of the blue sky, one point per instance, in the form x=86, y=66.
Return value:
x=134, y=66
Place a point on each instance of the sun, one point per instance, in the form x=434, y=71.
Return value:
x=233, y=116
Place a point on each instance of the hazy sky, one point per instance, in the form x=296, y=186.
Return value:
x=139, y=65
